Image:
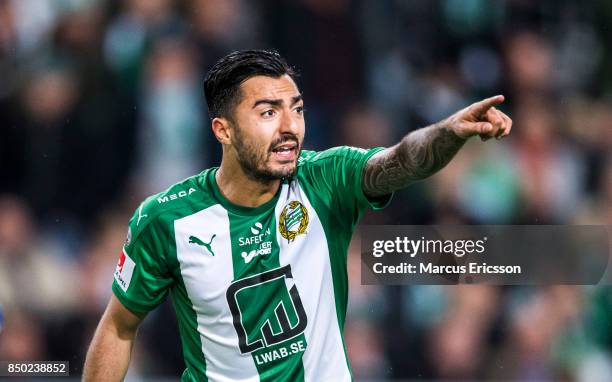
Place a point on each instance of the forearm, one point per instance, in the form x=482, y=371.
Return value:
x=417, y=156
x=109, y=353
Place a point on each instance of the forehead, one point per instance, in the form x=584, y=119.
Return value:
x=263, y=87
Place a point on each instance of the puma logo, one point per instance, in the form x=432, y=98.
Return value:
x=195, y=240
x=140, y=215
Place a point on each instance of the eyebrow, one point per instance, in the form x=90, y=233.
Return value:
x=277, y=102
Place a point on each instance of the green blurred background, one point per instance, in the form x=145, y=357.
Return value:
x=101, y=104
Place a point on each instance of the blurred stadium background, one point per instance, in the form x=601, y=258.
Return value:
x=101, y=104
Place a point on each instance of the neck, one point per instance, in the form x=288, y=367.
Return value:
x=242, y=190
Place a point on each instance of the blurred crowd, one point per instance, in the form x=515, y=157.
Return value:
x=101, y=104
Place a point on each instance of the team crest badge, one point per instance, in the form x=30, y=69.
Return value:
x=293, y=220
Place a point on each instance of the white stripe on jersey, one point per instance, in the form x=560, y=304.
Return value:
x=219, y=339
x=308, y=255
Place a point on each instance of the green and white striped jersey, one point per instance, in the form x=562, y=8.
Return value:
x=260, y=293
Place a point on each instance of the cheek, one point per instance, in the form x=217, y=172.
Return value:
x=301, y=126
x=262, y=137
x=302, y=132
x=251, y=131
x=263, y=133
x=258, y=139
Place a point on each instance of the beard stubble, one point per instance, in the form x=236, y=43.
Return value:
x=254, y=161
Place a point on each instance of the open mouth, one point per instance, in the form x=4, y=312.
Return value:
x=286, y=151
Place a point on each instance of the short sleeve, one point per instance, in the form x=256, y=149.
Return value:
x=340, y=169
x=142, y=279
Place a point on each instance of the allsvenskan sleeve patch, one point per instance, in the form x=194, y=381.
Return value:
x=141, y=278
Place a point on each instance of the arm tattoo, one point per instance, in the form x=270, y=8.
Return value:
x=417, y=156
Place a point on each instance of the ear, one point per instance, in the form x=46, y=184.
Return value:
x=221, y=129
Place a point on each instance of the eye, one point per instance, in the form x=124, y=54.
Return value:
x=268, y=113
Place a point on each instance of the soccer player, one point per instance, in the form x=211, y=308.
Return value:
x=254, y=253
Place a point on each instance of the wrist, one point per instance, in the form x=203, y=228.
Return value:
x=451, y=128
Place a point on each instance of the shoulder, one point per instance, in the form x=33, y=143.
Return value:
x=187, y=195
x=308, y=157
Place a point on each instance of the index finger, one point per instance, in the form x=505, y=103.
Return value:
x=481, y=107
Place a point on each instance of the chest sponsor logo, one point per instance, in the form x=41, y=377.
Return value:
x=124, y=271
x=293, y=220
x=264, y=249
x=267, y=312
x=208, y=246
x=257, y=237
x=256, y=228
x=180, y=194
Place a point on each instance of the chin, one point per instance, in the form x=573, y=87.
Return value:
x=272, y=173
x=284, y=171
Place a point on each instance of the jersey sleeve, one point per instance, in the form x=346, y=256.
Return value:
x=142, y=278
x=340, y=170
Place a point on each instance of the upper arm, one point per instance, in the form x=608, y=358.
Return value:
x=382, y=172
x=120, y=319
x=143, y=276
x=417, y=156
x=338, y=174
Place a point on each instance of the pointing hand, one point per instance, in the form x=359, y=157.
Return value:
x=481, y=118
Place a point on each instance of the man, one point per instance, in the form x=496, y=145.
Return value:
x=254, y=252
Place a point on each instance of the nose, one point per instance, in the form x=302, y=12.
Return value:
x=289, y=123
